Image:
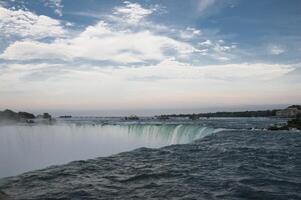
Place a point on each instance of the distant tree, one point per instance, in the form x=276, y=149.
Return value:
x=194, y=117
x=46, y=116
x=26, y=115
x=9, y=115
x=13, y=116
x=295, y=106
x=132, y=117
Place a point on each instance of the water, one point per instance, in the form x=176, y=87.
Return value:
x=204, y=163
x=24, y=148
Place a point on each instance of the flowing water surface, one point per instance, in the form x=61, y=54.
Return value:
x=206, y=159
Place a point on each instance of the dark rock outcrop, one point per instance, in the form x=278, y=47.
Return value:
x=291, y=124
x=3, y=196
x=295, y=123
x=290, y=112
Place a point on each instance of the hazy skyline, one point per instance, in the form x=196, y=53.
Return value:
x=146, y=56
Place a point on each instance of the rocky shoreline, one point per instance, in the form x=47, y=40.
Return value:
x=292, y=124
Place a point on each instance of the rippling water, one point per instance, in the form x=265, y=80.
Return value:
x=228, y=164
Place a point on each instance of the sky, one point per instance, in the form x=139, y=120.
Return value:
x=109, y=57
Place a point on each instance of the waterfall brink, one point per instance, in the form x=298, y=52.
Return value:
x=169, y=133
x=24, y=148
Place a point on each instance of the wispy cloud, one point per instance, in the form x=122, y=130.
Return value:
x=275, y=49
x=204, y=4
x=123, y=86
x=56, y=5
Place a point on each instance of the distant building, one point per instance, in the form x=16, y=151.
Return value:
x=290, y=112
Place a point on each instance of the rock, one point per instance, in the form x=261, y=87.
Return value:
x=291, y=124
x=290, y=112
x=295, y=123
x=3, y=196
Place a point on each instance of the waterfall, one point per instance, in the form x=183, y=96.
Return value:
x=169, y=133
x=24, y=148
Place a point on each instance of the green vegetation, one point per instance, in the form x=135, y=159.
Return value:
x=132, y=118
x=9, y=115
x=65, y=116
x=260, y=113
x=295, y=106
x=46, y=116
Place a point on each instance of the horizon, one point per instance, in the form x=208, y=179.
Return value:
x=150, y=112
x=147, y=57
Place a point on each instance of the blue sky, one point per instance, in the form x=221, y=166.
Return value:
x=130, y=56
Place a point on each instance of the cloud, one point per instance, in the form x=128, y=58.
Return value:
x=166, y=70
x=171, y=69
x=56, y=5
x=217, y=50
x=204, y=4
x=162, y=84
x=126, y=51
x=99, y=42
x=189, y=33
x=276, y=50
x=31, y=50
x=133, y=12
x=26, y=24
x=112, y=40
